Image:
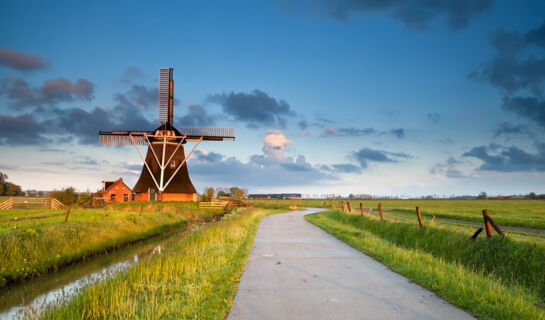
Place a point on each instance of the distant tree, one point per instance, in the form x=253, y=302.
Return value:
x=8, y=188
x=351, y=196
x=208, y=194
x=482, y=196
x=66, y=195
x=85, y=199
x=11, y=189
x=236, y=192
x=40, y=193
x=221, y=193
x=3, y=177
x=532, y=195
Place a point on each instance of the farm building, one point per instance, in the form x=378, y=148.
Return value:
x=113, y=191
x=292, y=196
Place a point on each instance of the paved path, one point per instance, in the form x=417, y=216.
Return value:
x=297, y=271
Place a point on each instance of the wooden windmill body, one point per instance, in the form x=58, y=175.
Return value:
x=164, y=175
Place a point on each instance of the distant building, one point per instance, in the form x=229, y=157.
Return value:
x=292, y=196
x=113, y=191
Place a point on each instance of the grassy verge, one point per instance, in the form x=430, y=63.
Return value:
x=462, y=226
x=195, y=278
x=493, y=279
x=33, y=247
x=517, y=213
x=534, y=221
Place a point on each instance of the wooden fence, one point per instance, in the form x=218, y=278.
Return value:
x=31, y=203
x=488, y=222
x=214, y=204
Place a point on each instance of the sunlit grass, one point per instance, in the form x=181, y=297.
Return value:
x=492, y=278
x=523, y=213
x=32, y=247
x=195, y=278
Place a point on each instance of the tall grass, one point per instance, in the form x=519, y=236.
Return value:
x=195, y=278
x=493, y=278
x=33, y=247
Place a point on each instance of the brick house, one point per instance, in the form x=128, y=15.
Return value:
x=113, y=191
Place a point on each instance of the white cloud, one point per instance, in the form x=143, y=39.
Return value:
x=275, y=144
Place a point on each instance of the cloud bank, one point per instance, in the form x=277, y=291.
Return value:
x=413, y=13
x=22, y=61
x=256, y=109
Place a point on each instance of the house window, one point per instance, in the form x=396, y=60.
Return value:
x=112, y=197
x=125, y=197
x=173, y=164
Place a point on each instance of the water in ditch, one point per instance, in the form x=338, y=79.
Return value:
x=29, y=298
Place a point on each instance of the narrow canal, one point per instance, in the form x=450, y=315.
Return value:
x=31, y=297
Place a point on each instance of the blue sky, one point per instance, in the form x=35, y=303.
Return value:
x=395, y=97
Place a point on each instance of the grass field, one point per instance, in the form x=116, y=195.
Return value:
x=34, y=246
x=195, y=278
x=521, y=213
x=492, y=278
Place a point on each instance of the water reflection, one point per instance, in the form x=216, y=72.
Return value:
x=31, y=297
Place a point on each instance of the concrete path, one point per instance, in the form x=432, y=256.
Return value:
x=298, y=271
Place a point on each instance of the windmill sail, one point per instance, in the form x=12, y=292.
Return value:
x=166, y=96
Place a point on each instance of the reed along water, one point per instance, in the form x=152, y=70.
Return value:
x=31, y=297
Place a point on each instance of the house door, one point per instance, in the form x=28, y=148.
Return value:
x=151, y=194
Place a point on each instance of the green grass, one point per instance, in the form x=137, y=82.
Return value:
x=136, y=205
x=492, y=278
x=33, y=247
x=521, y=213
x=195, y=278
x=461, y=227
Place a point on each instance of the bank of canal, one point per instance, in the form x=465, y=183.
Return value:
x=32, y=296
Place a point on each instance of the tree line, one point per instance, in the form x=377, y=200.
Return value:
x=8, y=188
x=234, y=193
x=69, y=195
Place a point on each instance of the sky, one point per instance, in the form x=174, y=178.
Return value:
x=395, y=97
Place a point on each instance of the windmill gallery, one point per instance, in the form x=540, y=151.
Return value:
x=164, y=175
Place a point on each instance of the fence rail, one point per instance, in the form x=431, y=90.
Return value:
x=213, y=204
x=27, y=203
x=8, y=204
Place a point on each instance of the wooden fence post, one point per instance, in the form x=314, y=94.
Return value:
x=68, y=213
x=494, y=225
x=104, y=215
x=361, y=209
x=487, y=223
x=419, y=217
x=349, y=207
x=476, y=234
x=342, y=206
x=380, y=210
x=141, y=208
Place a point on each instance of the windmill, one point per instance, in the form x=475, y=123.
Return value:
x=164, y=174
